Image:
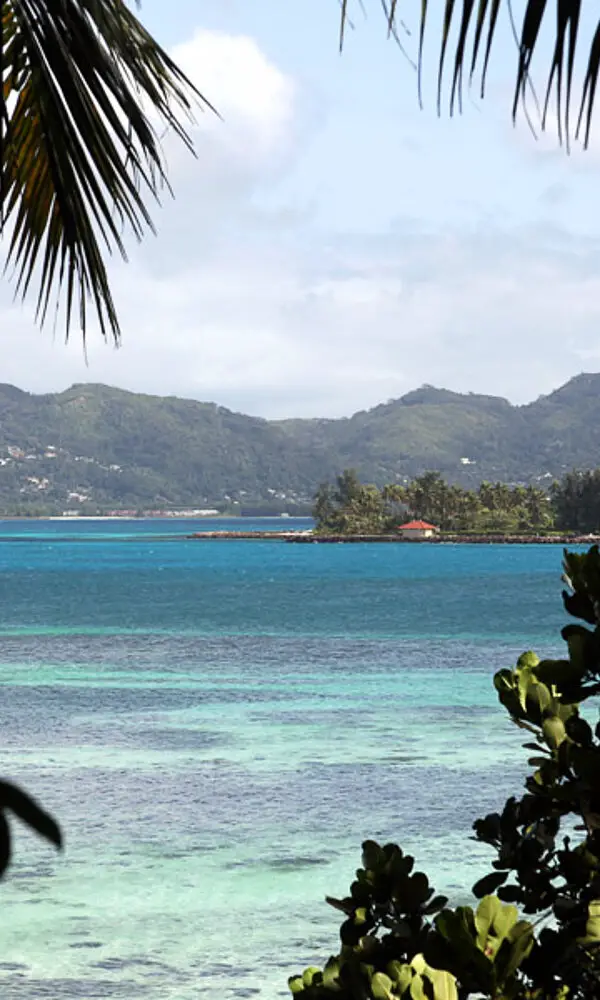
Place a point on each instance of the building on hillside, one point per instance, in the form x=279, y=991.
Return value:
x=417, y=529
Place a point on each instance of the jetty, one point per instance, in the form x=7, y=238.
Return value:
x=309, y=538
x=273, y=536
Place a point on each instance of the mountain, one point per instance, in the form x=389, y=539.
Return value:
x=94, y=447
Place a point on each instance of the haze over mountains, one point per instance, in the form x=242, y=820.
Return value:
x=95, y=447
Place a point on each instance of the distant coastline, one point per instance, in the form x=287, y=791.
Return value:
x=60, y=455
x=72, y=518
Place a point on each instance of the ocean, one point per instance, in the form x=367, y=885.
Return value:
x=218, y=725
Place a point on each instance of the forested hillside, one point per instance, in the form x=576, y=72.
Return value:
x=94, y=447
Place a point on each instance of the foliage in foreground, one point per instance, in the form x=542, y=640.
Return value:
x=464, y=37
x=535, y=934
x=14, y=802
x=86, y=92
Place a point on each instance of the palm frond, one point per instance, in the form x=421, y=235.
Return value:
x=79, y=155
x=470, y=27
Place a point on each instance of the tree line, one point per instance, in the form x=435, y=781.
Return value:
x=349, y=506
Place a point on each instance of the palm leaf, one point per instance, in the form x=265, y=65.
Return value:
x=79, y=155
x=476, y=20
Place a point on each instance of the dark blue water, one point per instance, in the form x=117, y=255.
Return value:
x=219, y=724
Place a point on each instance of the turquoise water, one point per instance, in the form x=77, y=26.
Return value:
x=218, y=725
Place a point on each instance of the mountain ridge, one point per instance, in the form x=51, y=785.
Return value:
x=94, y=446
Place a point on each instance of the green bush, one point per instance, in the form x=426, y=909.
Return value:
x=535, y=933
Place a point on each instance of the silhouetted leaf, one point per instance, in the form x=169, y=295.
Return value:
x=416, y=892
x=488, y=829
x=82, y=83
x=28, y=810
x=579, y=730
x=372, y=855
x=565, y=908
x=5, y=844
x=509, y=893
x=580, y=606
x=459, y=23
x=489, y=883
x=437, y=903
x=347, y=905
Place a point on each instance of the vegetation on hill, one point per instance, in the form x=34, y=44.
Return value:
x=576, y=501
x=94, y=448
x=351, y=508
x=535, y=934
x=466, y=437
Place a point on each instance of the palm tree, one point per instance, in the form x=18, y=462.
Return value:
x=468, y=31
x=86, y=91
x=487, y=495
x=80, y=155
x=537, y=507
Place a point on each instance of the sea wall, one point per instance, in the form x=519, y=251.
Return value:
x=455, y=539
x=308, y=538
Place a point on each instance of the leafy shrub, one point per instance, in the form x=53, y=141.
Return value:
x=400, y=940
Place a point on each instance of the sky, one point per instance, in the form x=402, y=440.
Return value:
x=333, y=245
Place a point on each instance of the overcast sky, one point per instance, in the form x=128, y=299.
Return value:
x=333, y=246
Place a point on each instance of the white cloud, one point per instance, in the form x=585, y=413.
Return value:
x=325, y=333
x=254, y=98
x=261, y=312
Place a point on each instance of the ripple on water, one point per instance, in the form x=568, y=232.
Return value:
x=219, y=737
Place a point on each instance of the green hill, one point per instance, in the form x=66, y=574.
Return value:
x=94, y=447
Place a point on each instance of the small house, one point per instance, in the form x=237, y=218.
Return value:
x=417, y=529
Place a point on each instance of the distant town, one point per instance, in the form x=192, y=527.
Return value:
x=81, y=501
x=99, y=451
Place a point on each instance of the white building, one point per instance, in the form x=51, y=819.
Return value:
x=417, y=529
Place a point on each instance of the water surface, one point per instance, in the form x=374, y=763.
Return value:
x=218, y=726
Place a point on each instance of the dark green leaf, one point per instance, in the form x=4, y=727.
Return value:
x=78, y=148
x=437, y=903
x=489, y=883
x=5, y=844
x=30, y=812
x=488, y=829
x=580, y=606
x=345, y=905
x=372, y=855
x=579, y=730
x=415, y=892
x=557, y=68
x=510, y=893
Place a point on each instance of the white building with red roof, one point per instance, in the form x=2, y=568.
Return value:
x=417, y=529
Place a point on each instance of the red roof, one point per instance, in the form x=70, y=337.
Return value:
x=418, y=526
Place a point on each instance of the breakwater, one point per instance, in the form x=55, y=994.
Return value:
x=308, y=538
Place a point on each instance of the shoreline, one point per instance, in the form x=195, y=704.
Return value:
x=307, y=538
x=73, y=519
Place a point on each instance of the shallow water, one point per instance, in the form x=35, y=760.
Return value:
x=218, y=726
